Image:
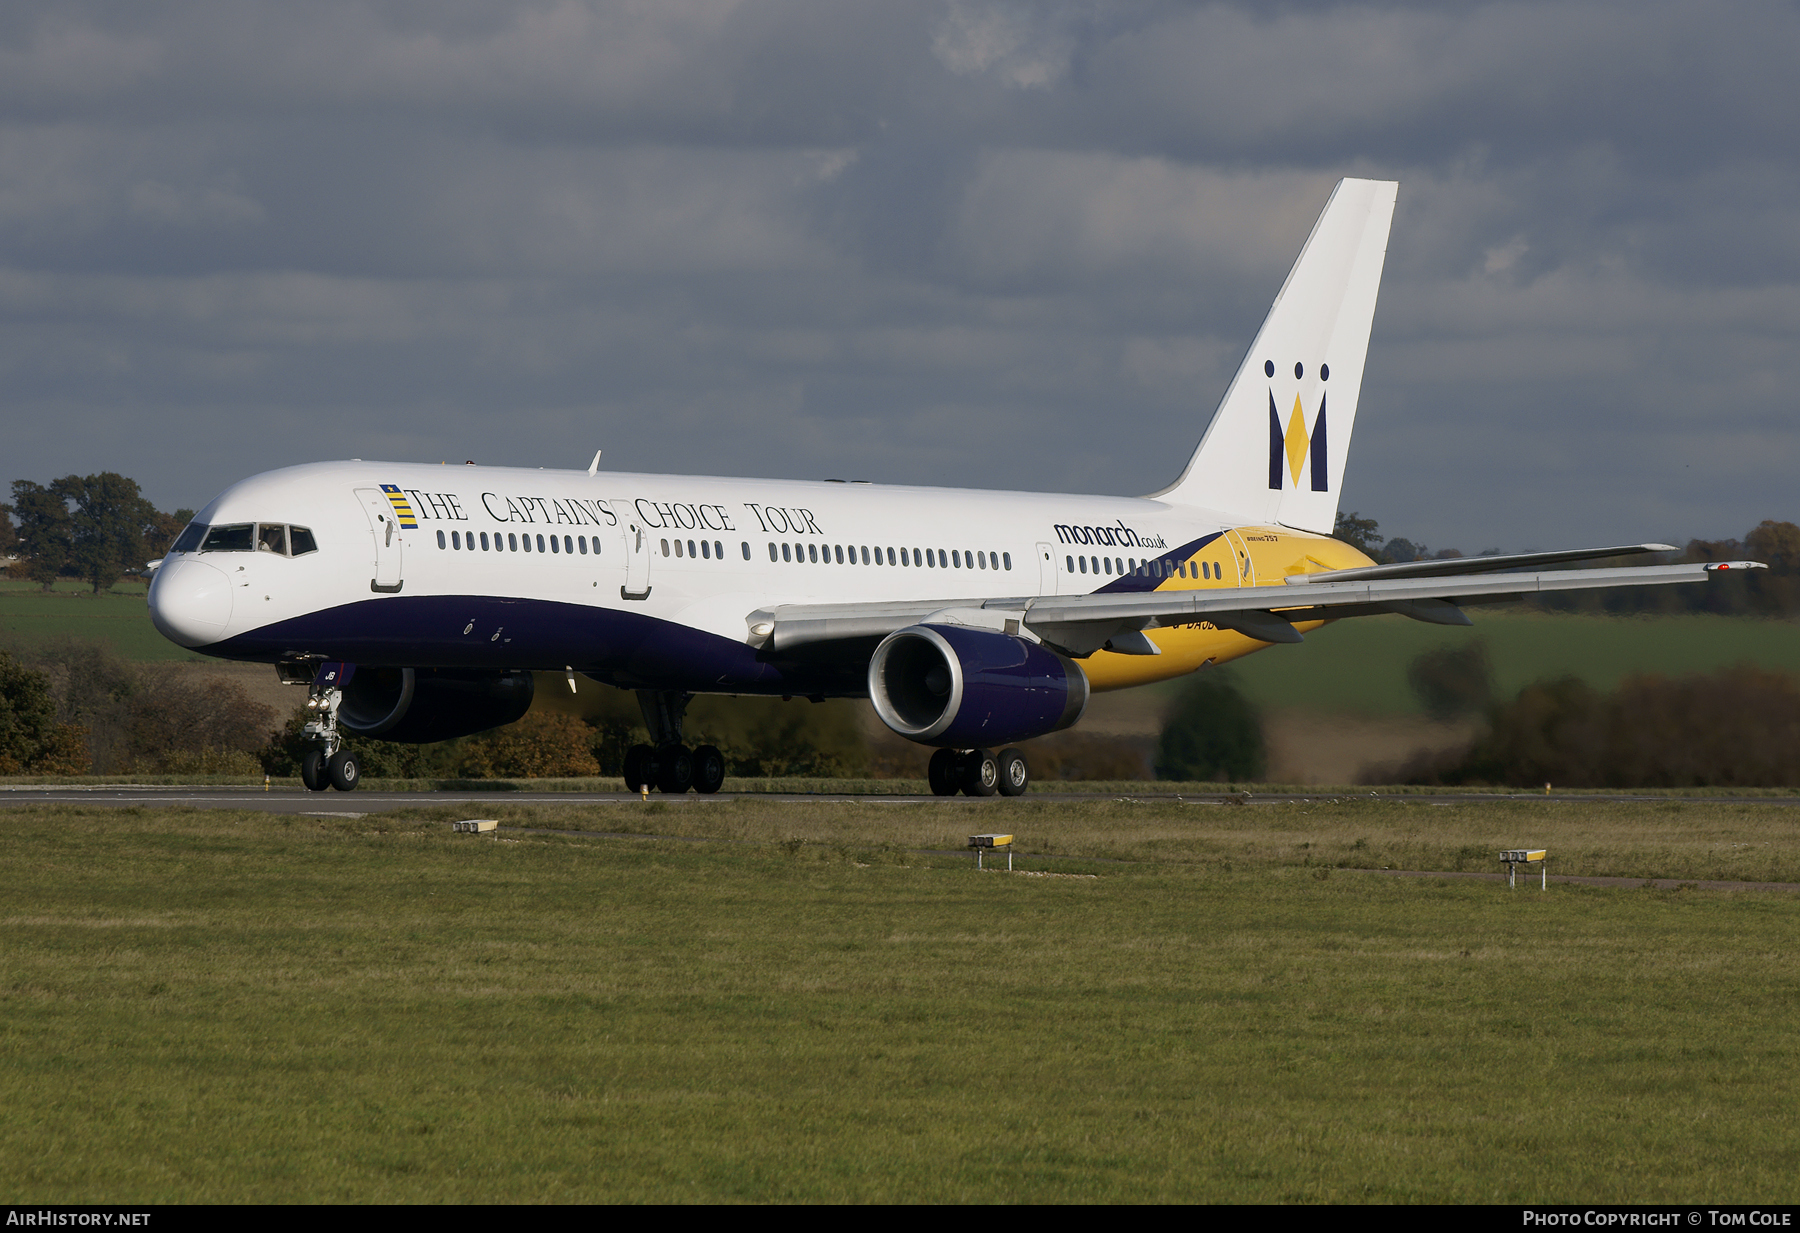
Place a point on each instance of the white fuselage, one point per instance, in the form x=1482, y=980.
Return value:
x=648, y=580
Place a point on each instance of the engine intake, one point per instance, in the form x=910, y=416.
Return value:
x=418, y=705
x=963, y=688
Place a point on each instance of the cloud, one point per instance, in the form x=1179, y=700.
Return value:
x=962, y=242
x=1027, y=46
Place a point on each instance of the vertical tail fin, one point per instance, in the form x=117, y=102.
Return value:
x=1274, y=452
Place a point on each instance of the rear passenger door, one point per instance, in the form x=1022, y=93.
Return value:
x=1049, y=576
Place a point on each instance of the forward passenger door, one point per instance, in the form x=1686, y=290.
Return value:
x=384, y=522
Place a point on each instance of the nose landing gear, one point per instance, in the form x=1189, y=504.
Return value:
x=327, y=764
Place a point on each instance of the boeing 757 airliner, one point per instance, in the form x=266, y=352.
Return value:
x=415, y=601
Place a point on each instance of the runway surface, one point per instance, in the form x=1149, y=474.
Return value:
x=300, y=801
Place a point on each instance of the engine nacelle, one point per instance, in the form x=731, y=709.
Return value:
x=965, y=688
x=417, y=705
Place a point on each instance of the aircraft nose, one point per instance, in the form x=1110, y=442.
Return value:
x=190, y=602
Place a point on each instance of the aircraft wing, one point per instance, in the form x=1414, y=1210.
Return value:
x=1438, y=567
x=1082, y=624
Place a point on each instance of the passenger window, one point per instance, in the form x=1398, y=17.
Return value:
x=1084, y=565
x=705, y=551
x=300, y=541
x=581, y=543
x=784, y=551
x=890, y=556
x=865, y=552
x=812, y=552
x=840, y=554
x=1008, y=559
x=554, y=546
x=677, y=548
x=274, y=539
x=1070, y=562
x=690, y=548
x=747, y=550
x=190, y=538
x=512, y=542
x=233, y=538
x=771, y=552
x=665, y=547
x=443, y=542
x=719, y=551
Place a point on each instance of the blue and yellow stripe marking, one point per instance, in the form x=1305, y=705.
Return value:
x=403, y=510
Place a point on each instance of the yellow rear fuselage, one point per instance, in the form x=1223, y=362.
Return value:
x=1244, y=557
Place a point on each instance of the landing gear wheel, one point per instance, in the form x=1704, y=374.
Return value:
x=981, y=774
x=312, y=771
x=1015, y=776
x=709, y=769
x=343, y=770
x=941, y=772
x=674, y=770
x=638, y=762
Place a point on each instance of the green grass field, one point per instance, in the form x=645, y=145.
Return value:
x=119, y=616
x=1359, y=666
x=1206, y=1003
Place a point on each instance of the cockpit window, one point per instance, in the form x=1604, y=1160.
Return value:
x=235, y=537
x=272, y=537
x=190, y=537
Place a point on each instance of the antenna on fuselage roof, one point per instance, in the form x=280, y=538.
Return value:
x=594, y=466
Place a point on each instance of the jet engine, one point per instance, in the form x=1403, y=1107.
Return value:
x=416, y=705
x=962, y=688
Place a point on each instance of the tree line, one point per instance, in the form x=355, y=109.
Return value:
x=98, y=528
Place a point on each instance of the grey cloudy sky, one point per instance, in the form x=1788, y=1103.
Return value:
x=965, y=242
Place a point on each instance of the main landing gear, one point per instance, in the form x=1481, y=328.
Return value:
x=976, y=772
x=667, y=765
x=327, y=764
